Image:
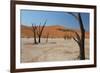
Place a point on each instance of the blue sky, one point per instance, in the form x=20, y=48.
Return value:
x=29, y=17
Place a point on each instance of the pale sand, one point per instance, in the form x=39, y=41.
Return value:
x=56, y=49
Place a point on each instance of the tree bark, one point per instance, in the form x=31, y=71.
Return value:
x=40, y=30
x=82, y=48
x=34, y=31
x=47, y=37
x=80, y=39
x=39, y=39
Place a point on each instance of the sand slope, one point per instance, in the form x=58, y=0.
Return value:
x=53, y=31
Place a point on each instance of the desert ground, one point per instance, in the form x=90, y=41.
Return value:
x=56, y=49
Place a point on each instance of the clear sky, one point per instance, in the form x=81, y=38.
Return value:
x=29, y=17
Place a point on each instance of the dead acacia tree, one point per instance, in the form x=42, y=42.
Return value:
x=80, y=39
x=47, y=37
x=34, y=29
x=40, y=30
x=65, y=37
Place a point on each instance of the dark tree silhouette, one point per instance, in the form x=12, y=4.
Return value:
x=82, y=51
x=40, y=30
x=80, y=39
x=34, y=28
x=65, y=37
x=47, y=37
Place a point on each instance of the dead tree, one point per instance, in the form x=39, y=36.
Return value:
x=47, y=37
x=40, y=30
x=80, y=39
x=34, y=28
x=82, y=51
x=65, y=37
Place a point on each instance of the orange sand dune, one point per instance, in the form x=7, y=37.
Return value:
x=51, y=31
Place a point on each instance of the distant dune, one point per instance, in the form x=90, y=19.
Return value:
x=52, y=31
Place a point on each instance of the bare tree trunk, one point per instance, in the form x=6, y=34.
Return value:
x=80, y=39
x=34, y=31
x=65, y=37
x=47, y=37
x=39, y=39
x=40, y=30
x=82, y=48
x=40, y=34
x=35, y=38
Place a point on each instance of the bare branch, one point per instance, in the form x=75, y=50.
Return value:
x=39, y=27
x=77, y=36
x=47, y=37
x=78, y=42
x=74, y=15
x=40, y=30
x=43, y=27
x=81, y=23
x=33, y=27
x=34, y=31
x=75, y=39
